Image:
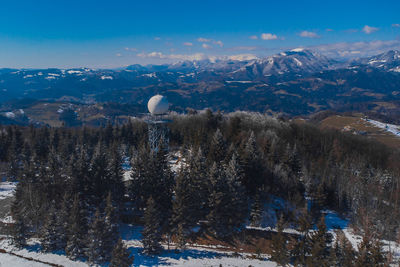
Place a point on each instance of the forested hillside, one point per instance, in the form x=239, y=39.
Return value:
x=72, y=192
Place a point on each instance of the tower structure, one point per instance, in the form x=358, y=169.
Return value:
x=157, y=123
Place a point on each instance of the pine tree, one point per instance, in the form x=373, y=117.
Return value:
x=370, y=252
x=184, y=208
x=319, y=250
x=19, y=231
x=62, y=224
x=347, y=257
x=197, y=172
x=77, y=228
x=152, y=234
x=96, y=241
x=302, y=247
x=256, y=211
x=226, y=201
x=377, y=255
x=140, y=183
x=116, y=176
x=49, y=233
x=217, y=152
x=120, y=256
x=111, y=227
x=100, y=176
x=238, y=203
x=251, y=159
x=278, y=245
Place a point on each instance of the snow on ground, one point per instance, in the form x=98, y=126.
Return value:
x=33, y=251
x=7, y=189
x=225, y=261
x=394, y=129
x=14, y=261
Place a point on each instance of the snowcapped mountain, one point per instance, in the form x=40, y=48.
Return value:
x=296, y=61
x=389, y=61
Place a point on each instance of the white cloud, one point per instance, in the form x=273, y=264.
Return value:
x=203, y=40
x=244, y=48
x=157, y=38
x=396, y=25
x=130, y=49
x=196, y=56
x=368, y=29
x=188, y=44
x=242, y=57
x=206, y=46
x=160, y=55
x=268, y=36
x=118, y=55
x=253, y=37
x=308, y=34
x=220, y=43
x=356, y=49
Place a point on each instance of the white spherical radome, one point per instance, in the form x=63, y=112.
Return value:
x=158, y=105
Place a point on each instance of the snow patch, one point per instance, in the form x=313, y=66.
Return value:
x=10, y=115
x=7, y=189
x=239, y=81
x=298, y=62
x=150, y=75
x=394, y=129
x=74, y=72
x=105, y=77
x=299, y=49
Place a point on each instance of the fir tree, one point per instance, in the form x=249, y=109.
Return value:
x=49, y=235
x=278, y=245
x=238, y=202
x=116, y=176
x=96, y=240
x=225, y=201
x=111, y=227
x=120, y=256
x=302, y=246
x=184, y=207
x=140, y=183
x=197, y=173
x=77, y=228
x=152, y=234
x=370, y=252
x=251, y=159
x=19, y=231
x=217, y=152
x=100, y=176
x=256, y=211
x=319, y=250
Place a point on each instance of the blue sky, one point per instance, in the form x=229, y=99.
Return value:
x=108, y=34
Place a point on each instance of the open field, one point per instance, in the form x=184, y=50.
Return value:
x=362, y=126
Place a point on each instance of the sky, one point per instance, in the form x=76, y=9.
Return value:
x=117, y=33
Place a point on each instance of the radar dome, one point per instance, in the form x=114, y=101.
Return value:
x=158, y=105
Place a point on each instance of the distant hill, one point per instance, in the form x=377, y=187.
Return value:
x=296, y=82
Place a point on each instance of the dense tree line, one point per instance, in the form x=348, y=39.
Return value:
x=72, y=194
